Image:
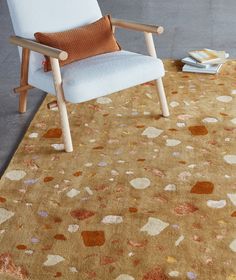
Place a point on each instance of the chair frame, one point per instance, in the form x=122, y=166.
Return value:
x=56, y=55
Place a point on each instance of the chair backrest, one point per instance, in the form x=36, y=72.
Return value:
x=30, y=16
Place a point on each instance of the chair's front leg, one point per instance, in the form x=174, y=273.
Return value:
x=159, y=84
x=24, y=79
x=162, y=97
x=61, y=104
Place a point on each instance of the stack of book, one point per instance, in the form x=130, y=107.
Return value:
x=204, y=61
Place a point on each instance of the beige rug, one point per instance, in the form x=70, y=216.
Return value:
x=142, y=197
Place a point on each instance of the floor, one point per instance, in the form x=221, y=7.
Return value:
x=189, y=24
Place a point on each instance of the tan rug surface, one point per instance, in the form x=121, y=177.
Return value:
x=141, y=197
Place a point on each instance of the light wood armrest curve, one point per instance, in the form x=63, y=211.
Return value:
x=37, y=47
x=137, y=26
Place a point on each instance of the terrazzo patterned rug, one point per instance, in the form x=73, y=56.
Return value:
x=141, y=197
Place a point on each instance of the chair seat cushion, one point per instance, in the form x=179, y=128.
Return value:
x=82, y=42
x=100, y=75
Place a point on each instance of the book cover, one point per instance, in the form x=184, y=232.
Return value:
x=211, y=69
x=207, y=56
x=190, y=61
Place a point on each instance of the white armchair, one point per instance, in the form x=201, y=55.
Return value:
x=85, y=79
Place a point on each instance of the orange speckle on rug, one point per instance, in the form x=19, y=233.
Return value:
x=60, y=237
x=224, y=114
x=82, y=214
x=2, y=199
x=53, y=133
x=185, y=209
x=57, y=220
x=21, y=247
x=198, y=130
x=137, y=244
x=58, y=274
x=140, y=126
x=98, y=148
x=136, y=262
x=48, y=179
x=93, y=238
x=155, y=274
x=104, y=260
x=78, y=173
x=203, y=188
x=148, y=84
x=7, y=266
x=47, y=226
x=233, y=214
x=133, y=210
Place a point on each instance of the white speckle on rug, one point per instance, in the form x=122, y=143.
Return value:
x=180, y=124
x=29, y=252
x=88, y=190
x=125, y=277
x=73, y=269
x=114, y=173
x=33, y=135
x=154, y=226
x=184, y=117
x=218, y=204
x=210, y=120
x=72, y=193
x=152, y=132
x=53, y=260
x=232, y=246
x=104, y=100
x=224, y=98
x=174, y=104
x=230, y=159
x=179, y=240
x=88, y=164
x=172, y=142
x=183, y=176
x=233, y=121
x=15, y=175
x=174, y=273
x=170, y=188
x=140, y=183
x=232, y=197
x=111, y=219
x=73, y=228
x=58, y=147
x=5, y=215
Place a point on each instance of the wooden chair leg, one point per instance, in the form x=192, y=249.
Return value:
x=61, y=105
x=162, y=97
x=24, y=79
x=23, y=102
x=159, y=83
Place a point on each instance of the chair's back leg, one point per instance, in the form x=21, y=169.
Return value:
x=159, y=83
x=61, y=104
x=24, y=79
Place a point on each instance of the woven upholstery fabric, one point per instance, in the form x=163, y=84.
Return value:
x=80, y=43
x=100, y=75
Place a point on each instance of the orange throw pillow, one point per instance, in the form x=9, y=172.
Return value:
x=83, y=42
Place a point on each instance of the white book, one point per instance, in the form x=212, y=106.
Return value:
x=210, y=69
x=191, y=61
x=208, y=56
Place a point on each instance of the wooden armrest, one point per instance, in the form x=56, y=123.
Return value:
x=37, y=47
x=137, y=26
